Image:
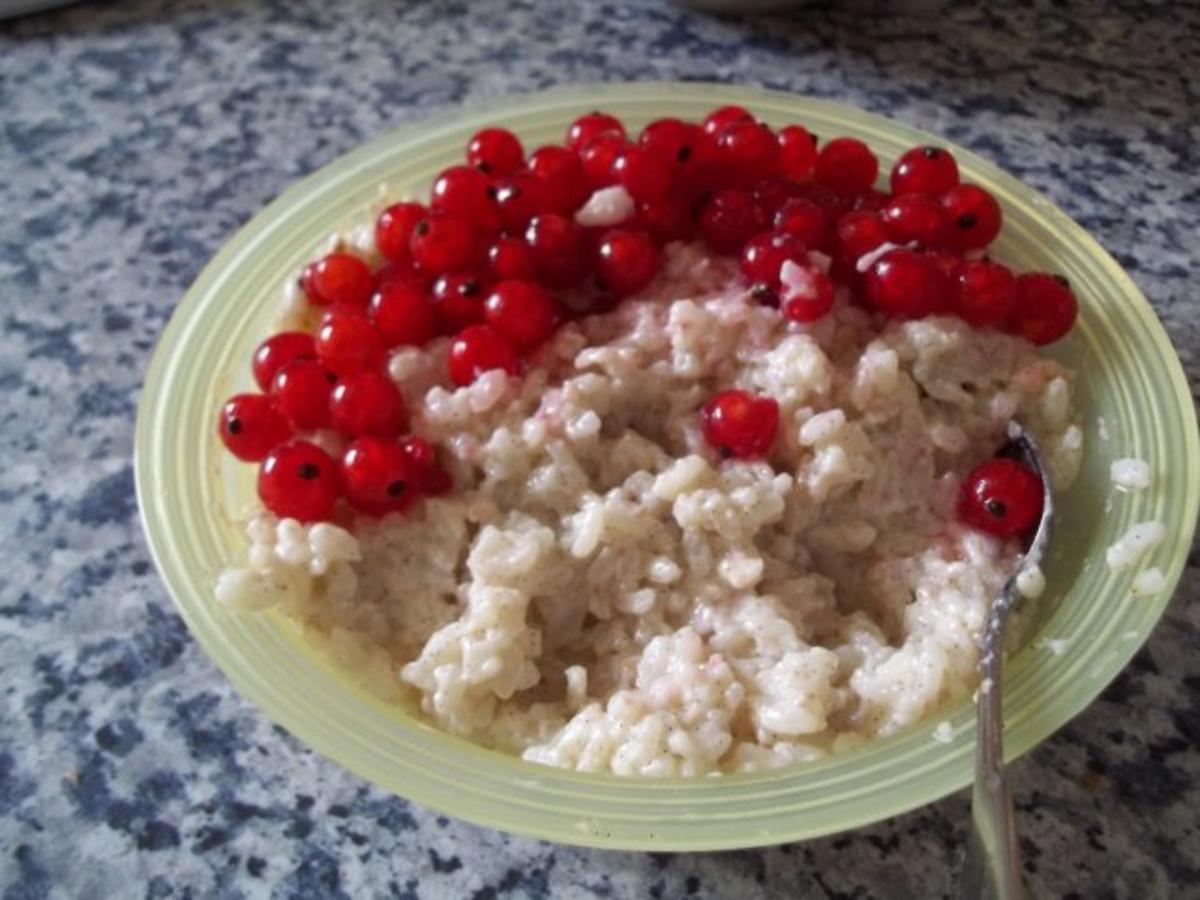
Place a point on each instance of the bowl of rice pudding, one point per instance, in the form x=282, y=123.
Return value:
x=680, y=557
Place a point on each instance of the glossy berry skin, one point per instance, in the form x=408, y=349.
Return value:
x=339, y=278
x=428, y=477
x=509, y=258
x=740, y=424
x=458, y=300
x=805, y=220
x=367, y=403
x=914, y=217
x=924, y=170
x=464, y=192
x=300, y=391
x=808, y=300
x=729, y=219
x=1044, y=308
x=394, y=228
x=1001, y=497
x=299, y=480
x=250, y=427
x=772, y=194
x=720, y=119
x=973, y=217
x=747, y=152
x=587, y=128
x=376, y=475
x=403, y=314
x=522, y=312
x=277, y=351
x=557, y=245
x=859, y=233
x=519, y=199
x=626, y=261
x=871, y=201
x=985, y=293
x=668, y=220
x=560, y=171
x=847, y=166
x=764, y=255
x=645, y=173
x=495, y=152
x=443, y=244
x=478, y=349
x=907, y=285
x=797, y=152
x=391, y=272
x=598, y=157
x=348, y=342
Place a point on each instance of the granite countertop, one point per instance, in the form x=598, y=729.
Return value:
x=136, y=136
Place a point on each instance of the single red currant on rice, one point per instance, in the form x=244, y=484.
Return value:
x=523, y=312
x=626, y=261
x=729, y=219
x=277, y=351
x=924, y=170
x=495, y=152
x=348, y=342
x=300, y=391
x=914, y=217
x=797, y=152
x=250, y=427
x=376, y=475
x=598, y=157
x=587, y=128
x=557, y=245
x=428, y=476
x=404, y=315
x=458, y=300
x=668, y=220
x=747, y=151
x=465, y=193
x=1001, y=497
x=720, y=119
x=478, y=349
x=764, y=255
x=847, y=166
x=803, y=219
x=367, y=403
x=1044, y=308
x=338, y=278
x=443, y=244
x=560, y=171
x=299, y=480
x=740, y=424
x=509, y=258
x=645, y=173
x=974, y=217
x=859, y=233
x=907, y=284
x=985, y=293
x=394, y=228
x=808, y=297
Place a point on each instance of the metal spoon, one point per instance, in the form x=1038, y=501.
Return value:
x=993, y=868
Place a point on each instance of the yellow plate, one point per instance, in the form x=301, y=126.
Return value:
x=189, y=490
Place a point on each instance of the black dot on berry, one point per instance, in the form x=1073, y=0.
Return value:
x=331, y=378
x=308, y=471
x=684, y=153
x=931, y=152
x=492, y=191
x=234, y=426
x=764, y=294
x=422, y=227
x=724, y=452
x=995, y=508
x=967, y=220
x=1062, y=279
x=470, y=288
x=396, y=488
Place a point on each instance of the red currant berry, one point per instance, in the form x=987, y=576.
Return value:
x=827, y=198
x=949, y=263
x=1001, y=497
x=348, y=342
x=691, y=153
x=587, y=128
x=299, y=480
x=376, y=475
x=598, y=158
x=729, y=219
x=394, y=228
x=924, y=170
x=519, y=199
x=495, y=152
x=907, y=284
x=764, y=255
x=626, y=261
x=367, y=403
x=557, y=245
x=985, y=294
x=859, y=233
x=974, y=217
x=394, y=273
x=511, y=258
x=771, y=194
x=478, y=349
x=740, y=424
x=644, y=173
x=914, y=217
x=458, y=299
x=522, y=312
x=339, y=278
x=277, y=351
x=561, y=172
x=1044, y=309
x=443, y=244
x=250, y=427
x=428, y=476
x=748, y=151
x=300, y=391
x=404, y=315
x=465, y=193
x=807, y=298
x=668, y=220
x=806, y=221
x=720, y=119
x=871, y=201
x=797, y=152
x=847, y=165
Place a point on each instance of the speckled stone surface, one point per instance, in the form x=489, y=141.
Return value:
x=136, y=136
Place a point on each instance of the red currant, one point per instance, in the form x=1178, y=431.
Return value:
x=771, y=194
x=859, y=233
x=587, y=128
x=394, y=228
x=691, y=154
x=519, y=199
x=250, y=427
x=478, y=349
x=626, y=261
x=805, y=220
x=522, y=312
x=458, y=299
x=348, y=342
x=740, y=424
x=1001, y=497
x=495, y=152
x=914, y=217
x=404, y=315
x=974, y=217
x=393, y=272
x=847, y=165
x=598, y=157
x=748, y=151
x=720, y=119
x=560, y=171
x=797, y=152
x=1044, y=309
x=557, y=245
x=428, y=476
x=764, y=255
x=645, y=173
x=871, y=201
x=985, y=294
x=907, y=284
x=808, y=298
x=367, y=403
x=924, y=170
x=443, y=244
x=300, y=391
x=511, y=258
x=729, y=219
x=338, y=278
x=299, y=480
x=668, y=220
x=376, y=475
x=465, y=193
x=277, y=351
